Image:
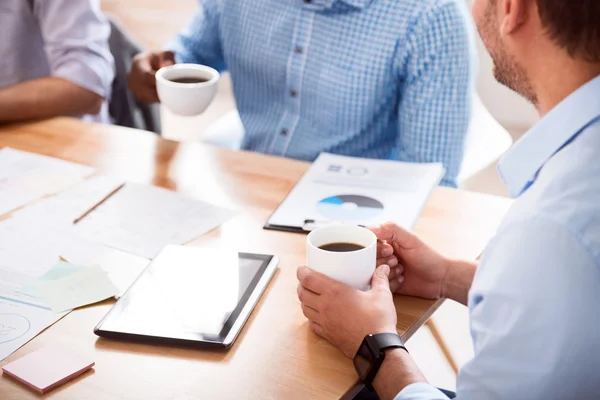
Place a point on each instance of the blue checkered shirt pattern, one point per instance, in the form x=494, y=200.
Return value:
x=388, y=79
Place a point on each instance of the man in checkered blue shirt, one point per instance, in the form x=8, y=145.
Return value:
x=384, y=79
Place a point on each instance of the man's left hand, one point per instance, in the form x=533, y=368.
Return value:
x=344, y=315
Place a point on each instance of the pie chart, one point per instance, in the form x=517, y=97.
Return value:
x=349, y=207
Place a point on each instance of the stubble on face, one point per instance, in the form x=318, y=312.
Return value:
x=507, y=69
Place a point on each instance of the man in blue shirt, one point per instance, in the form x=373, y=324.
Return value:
x=369, y=78
x=534, y=296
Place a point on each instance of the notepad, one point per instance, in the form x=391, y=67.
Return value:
x=45, y=369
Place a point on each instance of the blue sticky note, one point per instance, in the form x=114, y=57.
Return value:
x=59, y=270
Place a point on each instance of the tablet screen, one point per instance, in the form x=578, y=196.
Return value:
x=187, y=293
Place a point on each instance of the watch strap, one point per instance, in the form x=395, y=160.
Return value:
x=378, y=344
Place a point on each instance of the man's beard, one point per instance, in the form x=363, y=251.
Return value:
x=507, y=70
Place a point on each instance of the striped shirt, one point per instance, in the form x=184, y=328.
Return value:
x=386, y=79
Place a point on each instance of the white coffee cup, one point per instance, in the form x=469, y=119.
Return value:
x=353, y=268
x=186, y=99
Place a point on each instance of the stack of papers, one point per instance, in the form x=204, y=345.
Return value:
x=36, y=289
x=339, y=189
x=138, y=219
x=25, y=177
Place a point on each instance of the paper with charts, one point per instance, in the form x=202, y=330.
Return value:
x=26, y=253
x=357, y=191
x=25, y=177
x=142, y=219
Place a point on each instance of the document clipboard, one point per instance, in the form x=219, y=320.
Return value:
x=357, y=191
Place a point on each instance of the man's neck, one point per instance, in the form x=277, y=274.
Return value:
x=555, y=83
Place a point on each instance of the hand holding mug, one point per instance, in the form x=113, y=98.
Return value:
x=141, y=78
x=416, y=269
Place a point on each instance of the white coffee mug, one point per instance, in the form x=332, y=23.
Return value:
x=186, y=99
x=353, y=268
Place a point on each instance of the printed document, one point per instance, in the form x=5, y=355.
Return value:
x=340, y=189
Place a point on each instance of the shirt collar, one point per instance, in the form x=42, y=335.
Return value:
x=360, y=4
x=520, y=165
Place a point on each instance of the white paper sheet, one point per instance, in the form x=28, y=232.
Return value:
x=19, y=323
x=63, y=208
x=28, y=250
x=142, y=219
x=358, y=191
x=87, y=285
x=25, y=177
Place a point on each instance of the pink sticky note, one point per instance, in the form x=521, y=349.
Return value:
x=45, y=369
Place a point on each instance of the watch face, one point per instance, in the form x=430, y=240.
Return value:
x=363, y=361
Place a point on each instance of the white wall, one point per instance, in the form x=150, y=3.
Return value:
x=510, y=109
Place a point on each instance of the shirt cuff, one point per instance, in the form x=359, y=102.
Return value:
x=420, y=391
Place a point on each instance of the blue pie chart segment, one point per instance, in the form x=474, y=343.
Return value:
x=349, y=207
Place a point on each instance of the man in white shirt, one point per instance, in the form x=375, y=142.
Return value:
x=54, y=60
x=533, y=298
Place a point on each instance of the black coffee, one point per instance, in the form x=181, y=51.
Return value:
x=341, y=247
x=188, y=80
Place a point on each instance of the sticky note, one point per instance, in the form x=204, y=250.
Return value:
x=47, y=368
x=87, y=286
x=59, y=270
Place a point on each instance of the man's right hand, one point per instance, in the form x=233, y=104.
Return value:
x=417, y=269
x=142, y=81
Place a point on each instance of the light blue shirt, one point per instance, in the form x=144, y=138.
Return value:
x=384, y=79
x=535, y=299
x=67, y=39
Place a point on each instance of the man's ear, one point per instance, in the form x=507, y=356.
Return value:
x=513, y=15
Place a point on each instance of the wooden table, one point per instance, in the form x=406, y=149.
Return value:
x=276, y=355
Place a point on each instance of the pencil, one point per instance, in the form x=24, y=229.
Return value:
x=85, y=214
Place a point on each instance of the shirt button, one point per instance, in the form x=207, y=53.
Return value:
x=298, y=50
x=284, y=132
x=293, y=93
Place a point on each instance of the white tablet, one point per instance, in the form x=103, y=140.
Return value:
x=190, y=296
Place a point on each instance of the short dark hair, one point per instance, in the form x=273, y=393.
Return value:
x=573, y=25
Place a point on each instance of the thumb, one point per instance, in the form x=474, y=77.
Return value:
x=381, y=278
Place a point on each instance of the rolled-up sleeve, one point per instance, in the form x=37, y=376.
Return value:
x=75, y=34
x=200, y=41
x=435, y=110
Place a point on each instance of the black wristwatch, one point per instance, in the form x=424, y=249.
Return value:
x=371, y=353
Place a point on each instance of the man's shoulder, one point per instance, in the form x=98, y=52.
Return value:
x=418, y=9
x=567, y=190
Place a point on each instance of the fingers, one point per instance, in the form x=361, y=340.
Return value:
x=142, y=80
x=384, y=250
x=315, y=281
x=318, y=329
x=310, y=313
x=381, y=278
x=392, y=261
x=166, y=58
x=390, y=232
x=396, y=272
x=396, y=283
x=307, y=297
